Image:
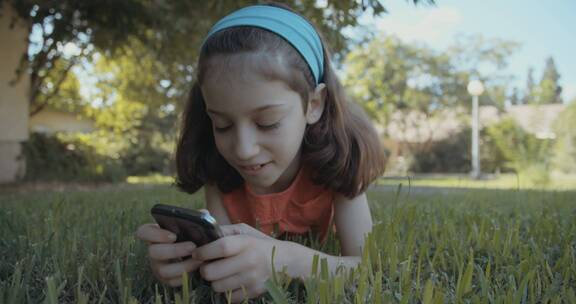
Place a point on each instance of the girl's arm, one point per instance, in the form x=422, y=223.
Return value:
x=353, y=222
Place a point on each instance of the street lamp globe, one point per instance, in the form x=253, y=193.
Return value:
x=475, y=88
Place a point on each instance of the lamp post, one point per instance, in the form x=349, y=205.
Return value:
x=475, y=88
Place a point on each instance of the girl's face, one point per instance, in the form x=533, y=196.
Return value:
x=258, y=127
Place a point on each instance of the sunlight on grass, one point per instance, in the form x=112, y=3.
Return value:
x=150, y=179
x=502, y=181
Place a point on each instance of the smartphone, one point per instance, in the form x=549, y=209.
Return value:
x=188, y=225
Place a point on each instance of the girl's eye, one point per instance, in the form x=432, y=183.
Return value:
x=221, y=130
x=269, y=127
x=261, y=127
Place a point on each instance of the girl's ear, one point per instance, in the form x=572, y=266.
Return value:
x=316, y=104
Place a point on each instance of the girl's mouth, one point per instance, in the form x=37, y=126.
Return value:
x=253, y=169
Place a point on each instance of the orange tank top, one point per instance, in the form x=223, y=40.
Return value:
x=303, y=207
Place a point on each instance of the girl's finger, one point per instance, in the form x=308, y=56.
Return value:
x=163, y=252
x=230, y=283
x=169, y=272
x=224, y=268
x=221, y=248
x=152, y=233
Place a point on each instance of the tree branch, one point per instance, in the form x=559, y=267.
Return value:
x=39, y=107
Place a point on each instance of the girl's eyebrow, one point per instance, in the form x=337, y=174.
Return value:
x=259, y=109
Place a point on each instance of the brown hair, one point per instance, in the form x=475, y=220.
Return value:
x=342, y=149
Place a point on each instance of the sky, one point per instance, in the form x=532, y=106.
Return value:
x=543, y=29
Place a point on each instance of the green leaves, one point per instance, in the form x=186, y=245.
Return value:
x=403, y=86
x=170, y=31
x=565, y=146
x=524, y=152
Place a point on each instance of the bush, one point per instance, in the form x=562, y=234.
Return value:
x=453, y=155
x=143, y=159
x=524, y=153
x=449, y=155
x=51, y=158
x=565, y=147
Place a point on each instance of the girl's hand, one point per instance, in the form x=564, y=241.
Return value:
x=245, y=261
x=166, y=256
x=243, y=229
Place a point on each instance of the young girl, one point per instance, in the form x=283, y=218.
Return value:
x=269, y=134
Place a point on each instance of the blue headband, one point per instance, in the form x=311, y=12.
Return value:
x=292, y=27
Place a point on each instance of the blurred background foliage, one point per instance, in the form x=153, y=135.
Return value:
x=128, y=66
x=140, y=57
x=389, y=77
x=565, y=145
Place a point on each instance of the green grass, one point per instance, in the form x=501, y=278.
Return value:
x=473, y=246
x=557, y=181
x=502, y=181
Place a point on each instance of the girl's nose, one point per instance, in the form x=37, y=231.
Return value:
x=246, y=144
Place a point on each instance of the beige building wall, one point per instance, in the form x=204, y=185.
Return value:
x=49, y=122
x=13, y=98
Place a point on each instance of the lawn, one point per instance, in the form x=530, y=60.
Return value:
x=556, y=181
x=463, y=246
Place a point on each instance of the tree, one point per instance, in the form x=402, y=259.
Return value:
x=56, y=26
x=514, y=99
x=408, y=89
x=172, y=30
x=485, y=59
x=387, y=76
x=139, y=110
x=549, y=89
x=530, y=85
x=143, y=55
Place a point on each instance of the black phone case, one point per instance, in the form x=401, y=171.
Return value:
x=188, y=225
